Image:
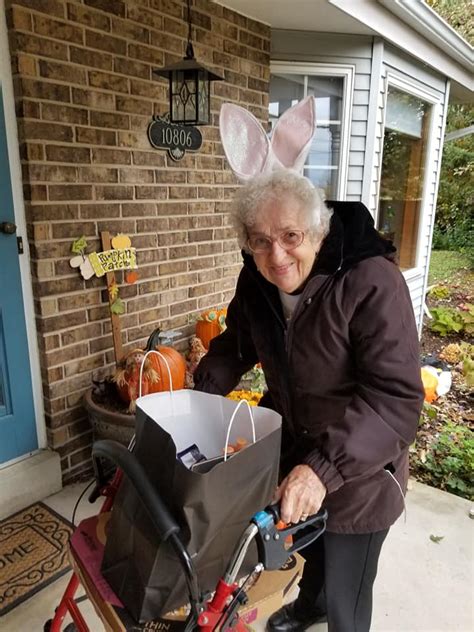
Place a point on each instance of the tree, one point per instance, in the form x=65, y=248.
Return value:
x=454, y=212
x=459, y=14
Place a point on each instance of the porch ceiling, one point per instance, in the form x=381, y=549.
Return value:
x=303, y=15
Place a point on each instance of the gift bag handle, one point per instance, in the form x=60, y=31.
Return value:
x=242, y=401
x=167, y=368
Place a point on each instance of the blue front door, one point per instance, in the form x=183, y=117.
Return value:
x=17, y=419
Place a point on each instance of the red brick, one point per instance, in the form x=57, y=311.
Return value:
x=132, y=68
x=184, y=192
x=235, y=18
x=182, y=252
x=98, y=174
x=64, y=114
x=134, y=106
x=70, y=192
x=92, y=136
x=93, y=58
x=47, y=131
x=19, y=20
x=136, y=175
x=101, y=41
x=39, y=212
x=41, y=46
x=35, y=193
x=154, y=90
x=28, y=109
x=109, y=119
x=99, y=209
x=151, y=192
x=93, y=99
x=117, y=192
x=58, y=30
x=144, y=16
x=110, y=156
x=148, y=158
x=68, y=153
x=45, y=90
x=170, y=7
x=51, y=7
x=130, y=31
x=83, y=365
x=89, y=17
x=125, y=226
x=51, y=173
x=168, y=43
x=108, y=81
x=117, y=7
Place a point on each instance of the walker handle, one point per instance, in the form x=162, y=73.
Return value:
x=127, y=462
x=273, y=550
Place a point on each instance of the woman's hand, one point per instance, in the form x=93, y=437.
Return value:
x=300, y=494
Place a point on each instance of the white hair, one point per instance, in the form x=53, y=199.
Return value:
x=278, y=185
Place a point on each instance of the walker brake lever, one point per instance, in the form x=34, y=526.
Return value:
x=272, y=545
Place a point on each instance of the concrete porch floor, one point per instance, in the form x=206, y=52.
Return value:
x=422, y=586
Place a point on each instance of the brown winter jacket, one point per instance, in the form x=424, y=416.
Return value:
x=344, y=374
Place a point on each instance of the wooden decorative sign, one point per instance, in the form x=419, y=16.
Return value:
x=112, y=260
x=176, y=139
x=117, y=254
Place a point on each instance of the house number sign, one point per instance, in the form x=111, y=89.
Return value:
x=177, y=139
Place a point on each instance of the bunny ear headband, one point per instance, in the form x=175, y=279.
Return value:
x=250, y=152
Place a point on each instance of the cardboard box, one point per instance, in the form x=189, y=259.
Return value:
x=269, y=591
x=87, y=549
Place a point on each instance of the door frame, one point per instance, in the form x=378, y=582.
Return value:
x=19, y=213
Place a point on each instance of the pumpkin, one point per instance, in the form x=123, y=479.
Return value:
x=121, y=241
x=155, y=376
x=210, y=324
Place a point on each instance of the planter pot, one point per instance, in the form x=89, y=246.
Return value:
x=106, y=423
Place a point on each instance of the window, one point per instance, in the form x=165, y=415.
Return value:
x=332, y=88
x=403, y=168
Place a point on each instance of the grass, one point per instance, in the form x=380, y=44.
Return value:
x=444, y=264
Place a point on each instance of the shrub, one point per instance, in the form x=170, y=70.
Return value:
x=446, y=320
x=449, y=462
x=458, y=237
x=439, y=292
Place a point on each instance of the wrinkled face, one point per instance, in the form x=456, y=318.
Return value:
x=287, y=269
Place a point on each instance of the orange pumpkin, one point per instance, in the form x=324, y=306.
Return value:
x=206, y=331
x=209, y=325
x=155, y=376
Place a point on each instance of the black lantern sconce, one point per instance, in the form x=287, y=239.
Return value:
x=189, y=87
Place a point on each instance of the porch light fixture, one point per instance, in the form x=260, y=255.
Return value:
x=189, y=87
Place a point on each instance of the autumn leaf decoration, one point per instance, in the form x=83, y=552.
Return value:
x=117, y=306
x=79, y=246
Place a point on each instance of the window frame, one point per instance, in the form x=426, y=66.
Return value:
x=347, y=72
x=434, y=100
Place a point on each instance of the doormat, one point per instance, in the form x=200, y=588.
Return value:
x=33, y=553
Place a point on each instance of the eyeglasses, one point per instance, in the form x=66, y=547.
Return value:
x=290, y=239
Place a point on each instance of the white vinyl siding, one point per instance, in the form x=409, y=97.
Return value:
x=335, y=49
x=375, y=61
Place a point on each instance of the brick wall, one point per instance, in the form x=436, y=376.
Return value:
x=85, y=95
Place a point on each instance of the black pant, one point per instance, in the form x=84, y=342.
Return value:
x=338, y=577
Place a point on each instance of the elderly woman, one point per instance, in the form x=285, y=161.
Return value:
x=322, y=305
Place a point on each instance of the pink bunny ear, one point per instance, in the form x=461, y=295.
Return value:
x=244, y=140
x=293, y=134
